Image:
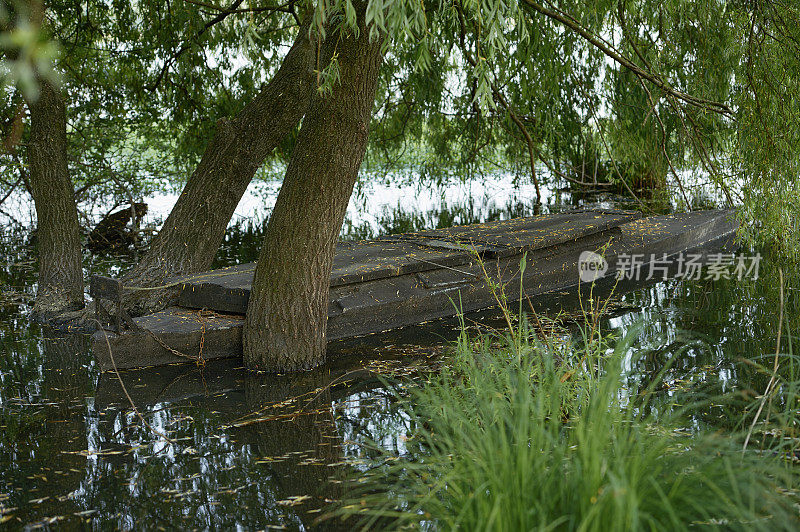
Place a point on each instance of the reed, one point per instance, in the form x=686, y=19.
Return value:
x=520, y=433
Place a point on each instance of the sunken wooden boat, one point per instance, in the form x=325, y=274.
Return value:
x=406, y=279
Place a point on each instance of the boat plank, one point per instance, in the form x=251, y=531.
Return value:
x=536, y=232
x=411, y=297
x=228, y=289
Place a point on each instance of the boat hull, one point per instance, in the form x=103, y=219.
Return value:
x=409, y=279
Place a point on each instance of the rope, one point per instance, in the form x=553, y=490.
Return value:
x=124, y=389
x=199, y=360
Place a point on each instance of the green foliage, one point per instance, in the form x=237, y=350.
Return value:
x=27, y=52
x=144, y=84
x=713, y=99
x=642, y=95
x=767, y=143
x=553, y=439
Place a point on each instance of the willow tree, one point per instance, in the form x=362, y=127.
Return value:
x=194, y=229
x=60, y=286
x=135, y=77
x=287, y=312
x=629, y=94
x=643, y=100
x=27, y=55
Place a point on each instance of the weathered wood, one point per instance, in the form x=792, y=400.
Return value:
x=228, y=289
x=513, y=236
x=113, y=232
x=163, y=334
x=402, y=289
x=105, y=288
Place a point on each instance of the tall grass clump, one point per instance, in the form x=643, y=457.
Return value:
x=519, y=433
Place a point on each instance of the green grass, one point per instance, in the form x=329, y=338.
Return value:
x=517, y=434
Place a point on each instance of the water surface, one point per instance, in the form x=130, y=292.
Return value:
x=220, y=447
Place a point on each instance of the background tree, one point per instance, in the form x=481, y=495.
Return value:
x=117, y=143
x=193, y=232
x=60, y=286
x=647, y=98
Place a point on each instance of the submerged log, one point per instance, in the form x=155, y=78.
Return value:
x=118, y=229
x=407, y=279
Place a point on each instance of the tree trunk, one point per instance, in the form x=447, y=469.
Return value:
x=196, y=226
x=286, y=317
x=60, y=286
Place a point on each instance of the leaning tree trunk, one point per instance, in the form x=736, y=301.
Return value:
x=60, y=286
x=288, y=309
x=194, y=230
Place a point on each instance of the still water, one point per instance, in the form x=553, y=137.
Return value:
x=223, y=448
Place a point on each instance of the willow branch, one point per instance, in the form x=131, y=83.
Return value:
x=528, y=140
x=501, y=99
x=602, y=134
x=169, y=62
x=285, y=8
x=664, y=145
x=565, y=19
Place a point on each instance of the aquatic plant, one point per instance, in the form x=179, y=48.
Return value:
x=553, y=439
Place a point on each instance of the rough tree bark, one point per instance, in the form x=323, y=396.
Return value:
x=287, y=313
x=60, y=285
x=194, y=230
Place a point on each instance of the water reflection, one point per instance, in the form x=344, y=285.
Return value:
x=715, y=338
x=225, y=448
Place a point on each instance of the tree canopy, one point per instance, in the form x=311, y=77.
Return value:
x=637, y=91
x=651, y=99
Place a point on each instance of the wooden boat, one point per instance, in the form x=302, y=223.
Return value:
x=406, y=279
